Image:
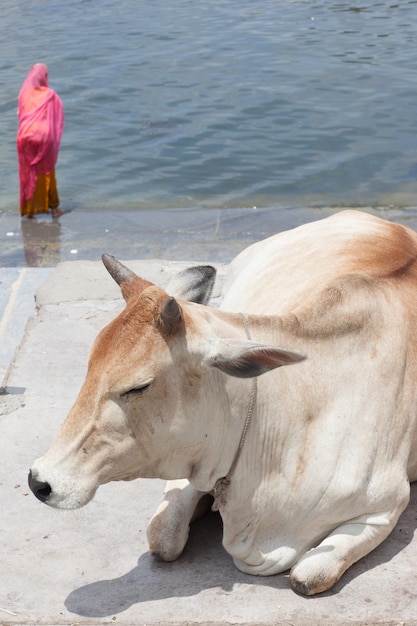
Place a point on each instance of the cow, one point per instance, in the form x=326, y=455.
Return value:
x=310, y=465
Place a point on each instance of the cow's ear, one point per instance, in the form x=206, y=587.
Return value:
x=129, y=283
x=194, y=284
x=246, y=359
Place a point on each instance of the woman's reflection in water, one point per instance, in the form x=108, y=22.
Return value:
x=41, y=242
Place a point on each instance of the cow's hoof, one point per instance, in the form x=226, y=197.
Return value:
x=313, y=584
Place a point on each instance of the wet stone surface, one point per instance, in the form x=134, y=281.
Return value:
x=174, y=234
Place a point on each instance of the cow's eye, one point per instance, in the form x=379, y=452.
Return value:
x=135, y=391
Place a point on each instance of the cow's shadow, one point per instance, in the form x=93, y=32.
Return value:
x=204, y=565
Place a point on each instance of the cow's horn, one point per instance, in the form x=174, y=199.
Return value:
x=117, y=270
x=171, y=312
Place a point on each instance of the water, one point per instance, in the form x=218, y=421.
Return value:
x=220, y=104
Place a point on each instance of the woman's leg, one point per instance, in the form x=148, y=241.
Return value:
x=38, y=203
x=53, y=197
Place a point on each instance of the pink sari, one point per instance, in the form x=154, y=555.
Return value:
x=41, y=122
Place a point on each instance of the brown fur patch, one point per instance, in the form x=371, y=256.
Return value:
x=342, y=308
x=139, y=319
x=387, y=252
x=132, y=288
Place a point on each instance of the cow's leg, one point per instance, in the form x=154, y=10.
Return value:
x=169, y=527
x=320, y=568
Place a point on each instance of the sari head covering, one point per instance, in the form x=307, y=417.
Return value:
x=41, y=122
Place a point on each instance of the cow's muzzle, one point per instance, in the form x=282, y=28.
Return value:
x=40, y=489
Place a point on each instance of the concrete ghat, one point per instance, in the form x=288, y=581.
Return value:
x=17, y=304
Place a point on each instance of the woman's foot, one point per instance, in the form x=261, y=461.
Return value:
x=57, y=212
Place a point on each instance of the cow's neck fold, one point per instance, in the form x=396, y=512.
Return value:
x=222, y=483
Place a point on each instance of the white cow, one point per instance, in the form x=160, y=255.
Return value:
x=317, y=457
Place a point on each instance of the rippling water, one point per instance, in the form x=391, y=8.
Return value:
x=220, y=103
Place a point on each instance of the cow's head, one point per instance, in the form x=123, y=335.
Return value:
x=152, y=389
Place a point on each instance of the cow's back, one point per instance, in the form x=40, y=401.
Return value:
x=277, y=274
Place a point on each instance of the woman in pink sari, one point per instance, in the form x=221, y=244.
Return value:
x=41, y=122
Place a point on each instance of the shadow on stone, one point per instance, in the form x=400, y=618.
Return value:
x=203, y=566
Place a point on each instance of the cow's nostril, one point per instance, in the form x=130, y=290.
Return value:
x=41, y=489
